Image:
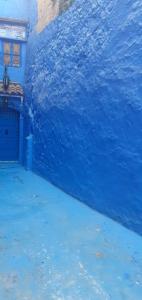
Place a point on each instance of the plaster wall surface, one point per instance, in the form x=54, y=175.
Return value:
x=84, y=85
x=48, y=10
x=14, y=9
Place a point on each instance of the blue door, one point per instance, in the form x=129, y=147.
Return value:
x=9, y=135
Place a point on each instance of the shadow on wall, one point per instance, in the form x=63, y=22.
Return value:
x=87, y=106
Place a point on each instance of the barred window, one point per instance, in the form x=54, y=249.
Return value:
x=11, y=55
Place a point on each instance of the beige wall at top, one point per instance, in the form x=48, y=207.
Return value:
x=47, y=11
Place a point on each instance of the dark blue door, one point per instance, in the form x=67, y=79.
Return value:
x=9, y=135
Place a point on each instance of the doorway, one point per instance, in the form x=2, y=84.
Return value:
x=9, y=134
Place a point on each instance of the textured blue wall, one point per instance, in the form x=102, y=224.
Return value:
x=84, y=86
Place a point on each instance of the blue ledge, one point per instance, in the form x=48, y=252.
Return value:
x=54, y=247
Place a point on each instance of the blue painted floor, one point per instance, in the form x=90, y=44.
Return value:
x=52, y=247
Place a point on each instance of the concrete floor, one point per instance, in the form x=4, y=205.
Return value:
x=52, y=247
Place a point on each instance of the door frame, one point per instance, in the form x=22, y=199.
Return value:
x=21, y=137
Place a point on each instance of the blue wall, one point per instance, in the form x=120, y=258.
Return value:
x=84, y=86
x=14, y=9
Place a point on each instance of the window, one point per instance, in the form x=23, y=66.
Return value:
x=7, y=53
x=16, y=55
x=11, y=54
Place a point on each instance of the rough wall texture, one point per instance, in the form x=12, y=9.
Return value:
x=84, y=87
x=48, y=10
